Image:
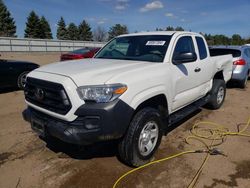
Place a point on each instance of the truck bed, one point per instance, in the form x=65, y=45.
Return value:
x=224, y=63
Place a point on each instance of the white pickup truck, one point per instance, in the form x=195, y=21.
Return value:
x=133, y=90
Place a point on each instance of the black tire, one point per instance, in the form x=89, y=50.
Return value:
x=128, y=147
x=218, y=94
x=243, y=83
x=22, y=79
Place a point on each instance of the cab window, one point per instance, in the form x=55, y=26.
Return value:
x=184, y=45
x=202, y=47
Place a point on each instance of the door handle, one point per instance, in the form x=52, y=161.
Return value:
x=197, y=69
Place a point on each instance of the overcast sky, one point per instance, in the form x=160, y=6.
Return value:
x=208, y=16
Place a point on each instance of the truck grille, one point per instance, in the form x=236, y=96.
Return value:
x=48, y=95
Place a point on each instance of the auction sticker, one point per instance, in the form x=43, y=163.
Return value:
x=155, y=43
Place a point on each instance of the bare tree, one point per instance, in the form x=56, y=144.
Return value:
x=100, y=34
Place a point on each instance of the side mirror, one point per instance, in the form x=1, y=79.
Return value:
x=185, y=57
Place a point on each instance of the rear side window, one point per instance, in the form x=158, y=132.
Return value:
x=184, y=45
x=247, y=52
x=202, y=47
x=225, y=51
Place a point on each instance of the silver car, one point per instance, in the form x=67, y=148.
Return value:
x=241, y=58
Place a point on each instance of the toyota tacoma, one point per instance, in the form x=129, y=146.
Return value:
x=134, y=89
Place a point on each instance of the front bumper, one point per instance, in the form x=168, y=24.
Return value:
x=94, y=123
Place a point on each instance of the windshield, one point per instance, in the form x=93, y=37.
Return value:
x=139, y=48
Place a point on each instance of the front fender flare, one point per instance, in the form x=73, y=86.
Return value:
x=148, y=93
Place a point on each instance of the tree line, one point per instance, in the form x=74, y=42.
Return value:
x=39, y=27
x=236, y=39
x=84, y=32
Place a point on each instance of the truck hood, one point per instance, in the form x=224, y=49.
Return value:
x=93, y=71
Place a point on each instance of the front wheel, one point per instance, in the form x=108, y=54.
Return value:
x=142, y=138
x=218, y=94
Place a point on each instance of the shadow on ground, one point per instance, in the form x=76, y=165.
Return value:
x=98, y=150
x=8, y=90
x=235, y=85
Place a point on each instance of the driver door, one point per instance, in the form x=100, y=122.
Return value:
x=185, y=75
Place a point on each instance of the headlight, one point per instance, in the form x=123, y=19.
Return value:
x=101, y=93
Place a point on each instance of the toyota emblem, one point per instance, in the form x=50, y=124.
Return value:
x=39, y=93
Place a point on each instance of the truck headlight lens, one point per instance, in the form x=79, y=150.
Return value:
x=101, y=93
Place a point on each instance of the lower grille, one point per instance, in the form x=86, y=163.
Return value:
x=48, y=95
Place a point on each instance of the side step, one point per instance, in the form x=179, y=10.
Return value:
x=184, y=112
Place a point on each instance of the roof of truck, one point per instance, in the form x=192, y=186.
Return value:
x=159, y=33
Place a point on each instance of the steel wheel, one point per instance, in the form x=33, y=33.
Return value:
x=220, y=95
x=148, y=138
x=22, y=80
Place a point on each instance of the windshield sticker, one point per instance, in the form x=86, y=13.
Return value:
x=155, y=43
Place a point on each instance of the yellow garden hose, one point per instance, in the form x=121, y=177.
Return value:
x=148, y=164
x=201, y=132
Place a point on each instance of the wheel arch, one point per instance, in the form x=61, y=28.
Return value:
x=154, y=102
x=158, y=102
x=219, y=75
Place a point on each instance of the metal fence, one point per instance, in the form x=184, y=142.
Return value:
x=43, y=45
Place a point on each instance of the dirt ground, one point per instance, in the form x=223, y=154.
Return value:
x=28, y=161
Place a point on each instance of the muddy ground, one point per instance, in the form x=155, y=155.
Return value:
x=28, y=161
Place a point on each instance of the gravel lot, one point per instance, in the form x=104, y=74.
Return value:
x=28, y=161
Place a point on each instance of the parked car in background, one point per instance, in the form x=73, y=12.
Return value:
x=241, y=64
x=13, y=73
x=80, y=54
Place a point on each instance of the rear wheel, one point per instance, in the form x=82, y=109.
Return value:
x=218, y=94
x=21, y=81
x=142, y=138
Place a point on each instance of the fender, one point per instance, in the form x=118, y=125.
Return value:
x=148, y=93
